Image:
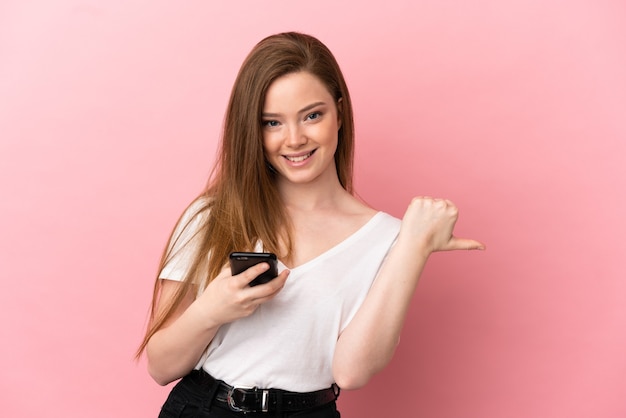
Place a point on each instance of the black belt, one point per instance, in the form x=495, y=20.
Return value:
x=264, y=400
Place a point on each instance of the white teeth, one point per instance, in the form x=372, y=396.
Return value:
x=299, y=159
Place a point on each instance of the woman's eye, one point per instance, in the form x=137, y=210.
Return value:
x=314, y=115
x=270, y=123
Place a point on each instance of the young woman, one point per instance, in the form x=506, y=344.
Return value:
x=283, y=184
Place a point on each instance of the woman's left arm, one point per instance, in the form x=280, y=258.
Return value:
x=367, y=344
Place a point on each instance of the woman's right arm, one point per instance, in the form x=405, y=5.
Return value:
x=167, y=360
x=175, y=349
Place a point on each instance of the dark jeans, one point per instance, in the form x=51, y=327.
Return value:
x=188, y=399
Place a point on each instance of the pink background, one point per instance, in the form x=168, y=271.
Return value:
x=109, y=118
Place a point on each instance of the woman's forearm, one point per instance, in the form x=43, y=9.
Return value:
x=177, y=347
x=174, y=350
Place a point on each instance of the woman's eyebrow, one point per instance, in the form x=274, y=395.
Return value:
x=303, y=110
x=311, y=106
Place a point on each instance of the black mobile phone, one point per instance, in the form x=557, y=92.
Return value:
x=241, y=261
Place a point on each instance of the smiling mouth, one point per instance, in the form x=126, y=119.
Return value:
x=300, y=158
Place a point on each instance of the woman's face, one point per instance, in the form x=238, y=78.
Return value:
x=300, y=123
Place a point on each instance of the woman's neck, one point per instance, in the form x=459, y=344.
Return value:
x=324, y=194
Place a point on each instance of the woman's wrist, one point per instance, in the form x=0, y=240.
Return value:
x=204, y=316
x=416, y=246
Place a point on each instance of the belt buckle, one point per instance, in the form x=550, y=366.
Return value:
x=237, y=396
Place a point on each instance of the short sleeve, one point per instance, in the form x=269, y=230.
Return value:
x=184, y=243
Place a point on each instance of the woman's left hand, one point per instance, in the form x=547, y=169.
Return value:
x=430, y=222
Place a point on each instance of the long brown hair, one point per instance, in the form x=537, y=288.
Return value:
x=241, y=197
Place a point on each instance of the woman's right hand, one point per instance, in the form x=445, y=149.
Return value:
x=228, y=298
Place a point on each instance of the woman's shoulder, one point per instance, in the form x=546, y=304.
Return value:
x=358, y=208
x=198, y=207
x=193, y=216
x=371, y=215
x=359, y=215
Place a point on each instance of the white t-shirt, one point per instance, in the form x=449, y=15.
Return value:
x=289, y=342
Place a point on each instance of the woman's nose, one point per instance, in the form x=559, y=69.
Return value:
x=295, y=136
